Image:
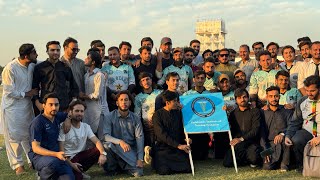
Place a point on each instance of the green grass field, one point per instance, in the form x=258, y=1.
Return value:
x=209, y=169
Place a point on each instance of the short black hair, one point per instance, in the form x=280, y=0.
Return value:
x=113, y=48
x=26, y=49
x=198, y=72
x=288, y=47
x=315, y=42
x=144, y=74
x=169, y=96
x=272, y=88
x=262, y=53
x=232, y=51
x=146, y=39
x=303, y=39
x=95, y=56
x=52, y=42
x=282, y=73
x=68, y=41
x=124, y=92
x=194, y=41
x=271, y=44
x=188, y=49
x=246, y=46
x=223, y=49
x=75, y=102
x=206, y=51
x=93, y=49
x=303, y=43
x=49, y=95
x=97, y=43
x=314, y=79
x=172, y=74
x=239, y=92
x=257, y=43
x=124, y=43
x=209, y=59
x=144, y=47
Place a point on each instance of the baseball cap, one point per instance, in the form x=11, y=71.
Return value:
x=166, y=40
x=223, y=76
x=237, y=71
x=177, y=49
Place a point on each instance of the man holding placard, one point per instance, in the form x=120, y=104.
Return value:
x=244, y=126
x=170, y=152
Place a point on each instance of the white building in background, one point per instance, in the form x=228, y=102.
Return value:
x=211, y=34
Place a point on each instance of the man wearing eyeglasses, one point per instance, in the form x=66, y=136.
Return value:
x=53, y=75
x=77, y=66
x=225, y=67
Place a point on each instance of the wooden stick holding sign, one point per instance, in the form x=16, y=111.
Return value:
x=190, y=155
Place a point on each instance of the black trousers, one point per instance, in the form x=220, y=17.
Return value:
x=299, y=141
x=280, y=157
x=245, y=152
x=199, y=146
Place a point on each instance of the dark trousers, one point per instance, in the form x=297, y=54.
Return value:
x=49, y=167
x=299, y=141
x=148, y=133
x=116, y=164
x=199, y=146
x=221, y=143
x=245, y=152
x=280, y=157
x=87, y=159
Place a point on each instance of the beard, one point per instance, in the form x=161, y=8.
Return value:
x=240, y=82
x=274, y=103
x=53, y=113
x=178, y=62
x=196, y=53
x=188, y=61
x=123, y=109
x=243, y=104
x=210, y=74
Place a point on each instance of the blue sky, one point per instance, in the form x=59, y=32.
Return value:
x=247, y=21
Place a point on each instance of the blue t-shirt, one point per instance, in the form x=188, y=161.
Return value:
x=46, y=132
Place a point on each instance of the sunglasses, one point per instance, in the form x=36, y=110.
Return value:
x=75, y=49
x=225, y=55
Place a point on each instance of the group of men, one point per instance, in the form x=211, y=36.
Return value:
x=122, y=110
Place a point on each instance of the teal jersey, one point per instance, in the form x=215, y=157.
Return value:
x=230, y=102
x=291, y=96
x=185, y=73
x=260, y=81
x=118, y=78
x=145, y=104
x=211, y=83
x=192, y=91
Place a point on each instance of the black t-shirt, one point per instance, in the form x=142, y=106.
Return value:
x=144, y=68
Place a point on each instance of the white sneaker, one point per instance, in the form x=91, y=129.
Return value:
x=253, y=165
x=147, y=158
x=86, y=176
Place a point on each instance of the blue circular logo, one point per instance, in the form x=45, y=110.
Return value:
x=203, y=106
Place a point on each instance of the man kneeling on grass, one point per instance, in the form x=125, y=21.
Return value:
x=170, y=152
x=124, y=138
x=74, y=142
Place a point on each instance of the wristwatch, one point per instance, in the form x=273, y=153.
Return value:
x=282, y=134
x=241, y=139
x=104, y=153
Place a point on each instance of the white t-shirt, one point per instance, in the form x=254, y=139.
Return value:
x=75, y=140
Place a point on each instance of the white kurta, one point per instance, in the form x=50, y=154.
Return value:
x=16, y=109
x=94, y=88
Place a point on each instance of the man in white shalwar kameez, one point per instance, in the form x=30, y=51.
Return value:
x=16, y=106
x=94, y=95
